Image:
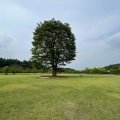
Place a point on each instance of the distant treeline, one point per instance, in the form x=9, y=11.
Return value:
x=14, y=62
x=17, y=66
x=111, y=69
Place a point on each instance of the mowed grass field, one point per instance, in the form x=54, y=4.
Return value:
x=90, y=97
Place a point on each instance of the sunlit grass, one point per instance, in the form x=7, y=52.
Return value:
x=29, y=97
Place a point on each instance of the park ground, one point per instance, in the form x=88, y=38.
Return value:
x=72, y=97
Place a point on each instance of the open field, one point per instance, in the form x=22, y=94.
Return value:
x=29, y=97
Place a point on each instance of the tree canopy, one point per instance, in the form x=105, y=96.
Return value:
x=53, y=44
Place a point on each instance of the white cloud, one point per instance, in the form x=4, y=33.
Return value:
x=98, y=53
x=96, y=25
x=11, y=48
x=6, y=40
x=8, y=44
x=114, y=41
x=101, y=28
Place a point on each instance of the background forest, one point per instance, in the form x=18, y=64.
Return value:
x=17, y=66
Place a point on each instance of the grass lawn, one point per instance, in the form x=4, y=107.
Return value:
x=29, y=97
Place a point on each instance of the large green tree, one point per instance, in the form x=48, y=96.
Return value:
x=53, y=44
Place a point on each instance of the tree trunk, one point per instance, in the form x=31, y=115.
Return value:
x=6, y=73
x=54, y=71
x=13, y=73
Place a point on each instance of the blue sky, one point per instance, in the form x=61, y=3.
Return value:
x=95, y=23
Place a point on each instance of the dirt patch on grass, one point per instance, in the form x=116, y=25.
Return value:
x=48, y=76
